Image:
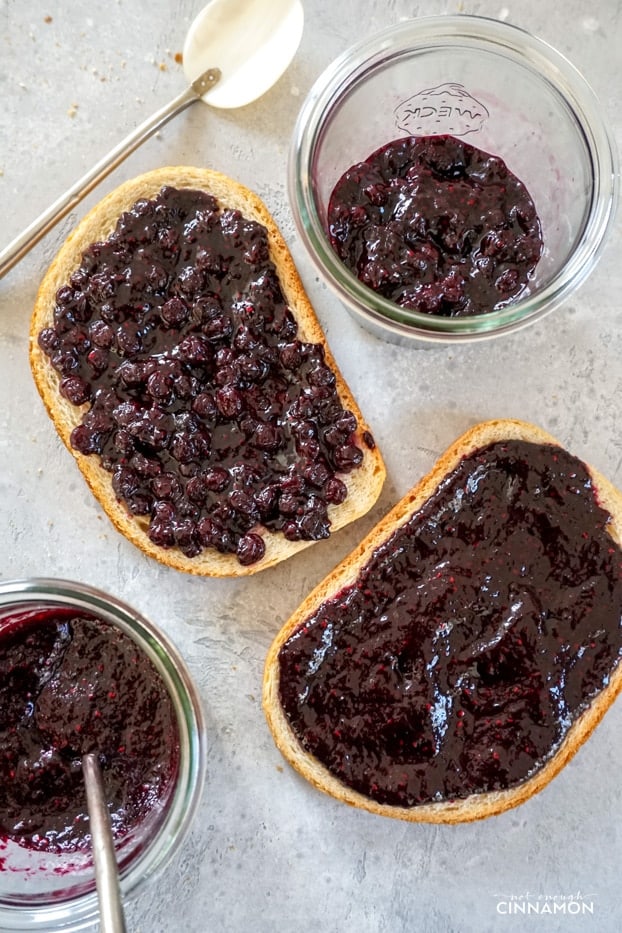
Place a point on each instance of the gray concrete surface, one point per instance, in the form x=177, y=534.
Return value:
x=267, y=852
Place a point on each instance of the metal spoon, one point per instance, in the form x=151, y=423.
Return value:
x=106, y=871
x=235, y=50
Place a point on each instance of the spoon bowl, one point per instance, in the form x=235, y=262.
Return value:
x=251, y=42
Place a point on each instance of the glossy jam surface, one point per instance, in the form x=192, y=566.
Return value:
x=71, y=684
x=437, y=226
x=215, y=420
x=473, y=638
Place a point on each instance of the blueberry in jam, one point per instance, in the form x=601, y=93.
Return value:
x=71, y=683
x=472, y=639
x=213, y=417
x=437, y=226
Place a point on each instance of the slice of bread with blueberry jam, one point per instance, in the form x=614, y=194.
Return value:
x=179, y=357
x=450, y=666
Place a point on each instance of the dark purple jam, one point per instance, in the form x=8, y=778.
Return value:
x=72, y=684
x=212, y=415
x=473, y=639
x=436, y=225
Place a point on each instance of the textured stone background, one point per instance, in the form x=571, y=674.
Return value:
x=267, y=852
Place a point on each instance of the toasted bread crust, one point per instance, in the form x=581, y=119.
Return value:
x=364, y=484
x=476, y=806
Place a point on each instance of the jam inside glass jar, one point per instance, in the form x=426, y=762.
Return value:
x=436, y=225
x=72, y=683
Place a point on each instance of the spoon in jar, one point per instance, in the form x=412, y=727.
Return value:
x=112, y=919
x=235, y=50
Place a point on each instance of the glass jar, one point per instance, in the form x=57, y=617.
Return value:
x=56, y=891
x=503, y=91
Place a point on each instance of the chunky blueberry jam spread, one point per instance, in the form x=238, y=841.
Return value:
x=212, y=415
x=436, y=225
x=72, y=684
x=473, y=638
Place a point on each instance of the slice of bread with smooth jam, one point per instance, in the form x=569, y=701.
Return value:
x=308, y=726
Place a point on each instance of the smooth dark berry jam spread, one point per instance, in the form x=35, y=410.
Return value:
x=71, y=683
x=436, y=225
x=473, y=638
x=212, y=415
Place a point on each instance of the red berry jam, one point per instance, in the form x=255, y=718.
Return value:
x=71, y=683
x=213, y=417
x=436, y=225
x=473, y=639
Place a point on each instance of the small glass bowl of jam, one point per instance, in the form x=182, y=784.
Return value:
x=452, y=178
x=81, y=671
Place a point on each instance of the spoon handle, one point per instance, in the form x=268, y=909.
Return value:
x=44, y=223
x=106, y=872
